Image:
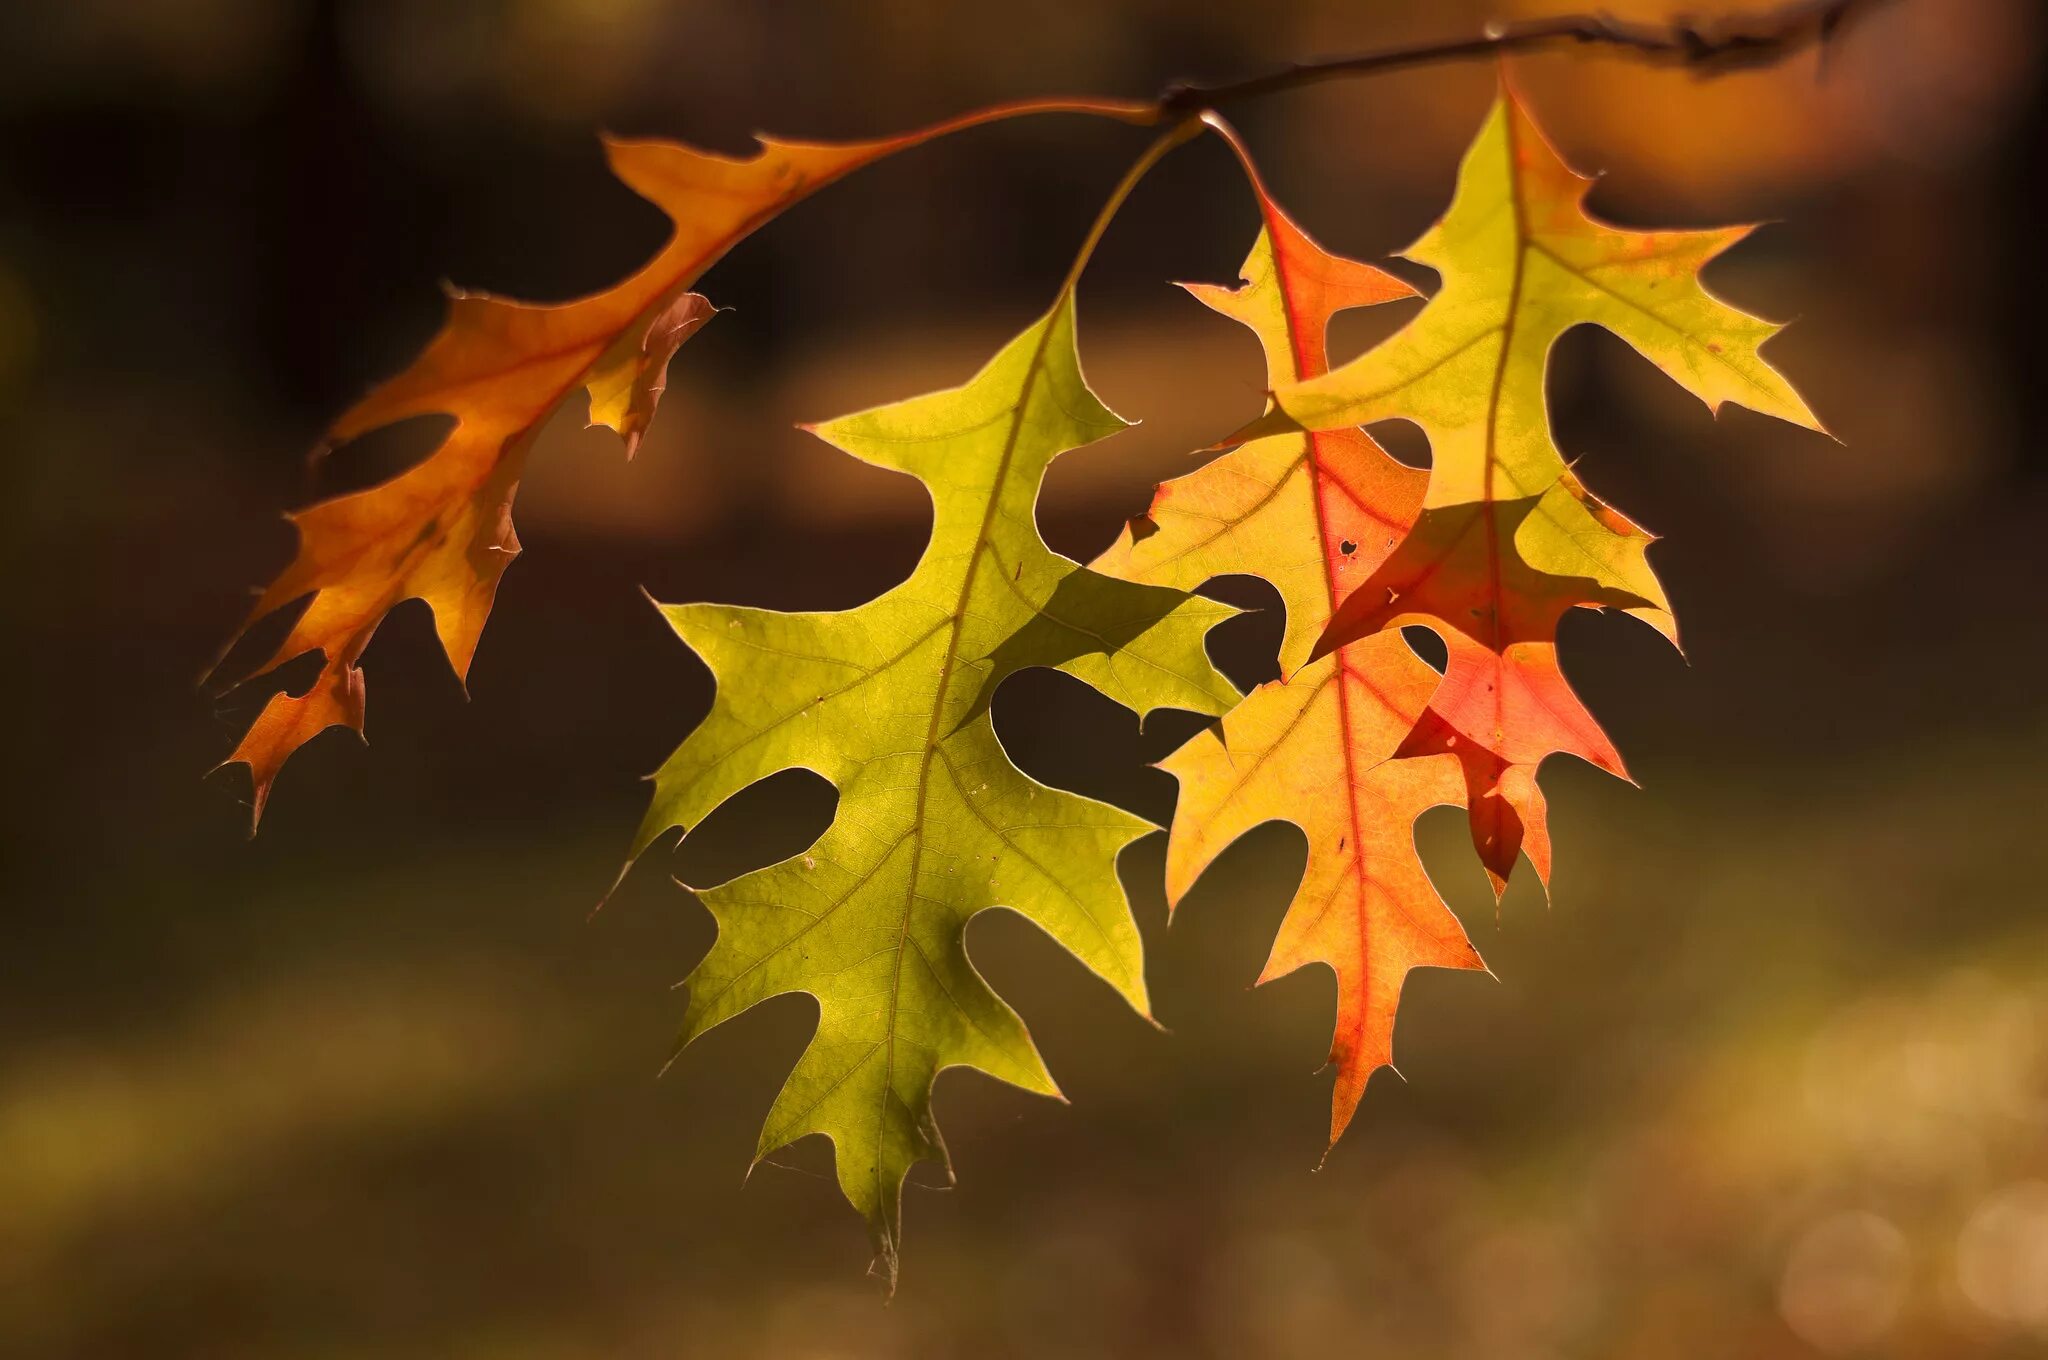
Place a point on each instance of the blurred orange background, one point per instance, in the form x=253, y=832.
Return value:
x=1770, y=1077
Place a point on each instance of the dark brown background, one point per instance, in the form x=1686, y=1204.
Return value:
x=1769, y=1079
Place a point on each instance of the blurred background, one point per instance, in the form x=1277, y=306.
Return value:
x=1770, y=1077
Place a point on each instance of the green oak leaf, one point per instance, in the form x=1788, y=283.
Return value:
x=1523, y=263
x=890, y=702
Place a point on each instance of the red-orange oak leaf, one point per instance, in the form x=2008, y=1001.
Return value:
x=1504, y=704
x=1313, y=514
x=442, y=531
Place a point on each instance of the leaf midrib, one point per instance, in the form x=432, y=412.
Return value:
x=947, y=667
x=1338, y=669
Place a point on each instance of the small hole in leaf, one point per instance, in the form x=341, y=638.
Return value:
x=1347, y=547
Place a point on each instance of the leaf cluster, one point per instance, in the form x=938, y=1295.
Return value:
x=1489, y=549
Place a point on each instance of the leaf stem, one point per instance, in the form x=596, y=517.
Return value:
x=1185, y=130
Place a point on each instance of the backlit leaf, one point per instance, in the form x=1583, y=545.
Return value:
x=442, y=531
x=890, y=702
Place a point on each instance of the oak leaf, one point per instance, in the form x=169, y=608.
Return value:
x=1503, y=705
x=442, y=531
x=1313, y=513
x=890, y=703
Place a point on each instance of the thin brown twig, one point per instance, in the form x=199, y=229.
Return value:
x=1734, y=43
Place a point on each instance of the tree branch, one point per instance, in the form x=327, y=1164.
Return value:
x=1736, y=43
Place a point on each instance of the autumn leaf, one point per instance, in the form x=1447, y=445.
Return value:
x=1509, y=539
x=442, y=531
x=1503, y=705
x=890, y=702
x=1313, y=513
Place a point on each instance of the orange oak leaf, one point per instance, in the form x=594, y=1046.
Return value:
x=1321, y=749
x=1313, y=514
x=442, y=531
